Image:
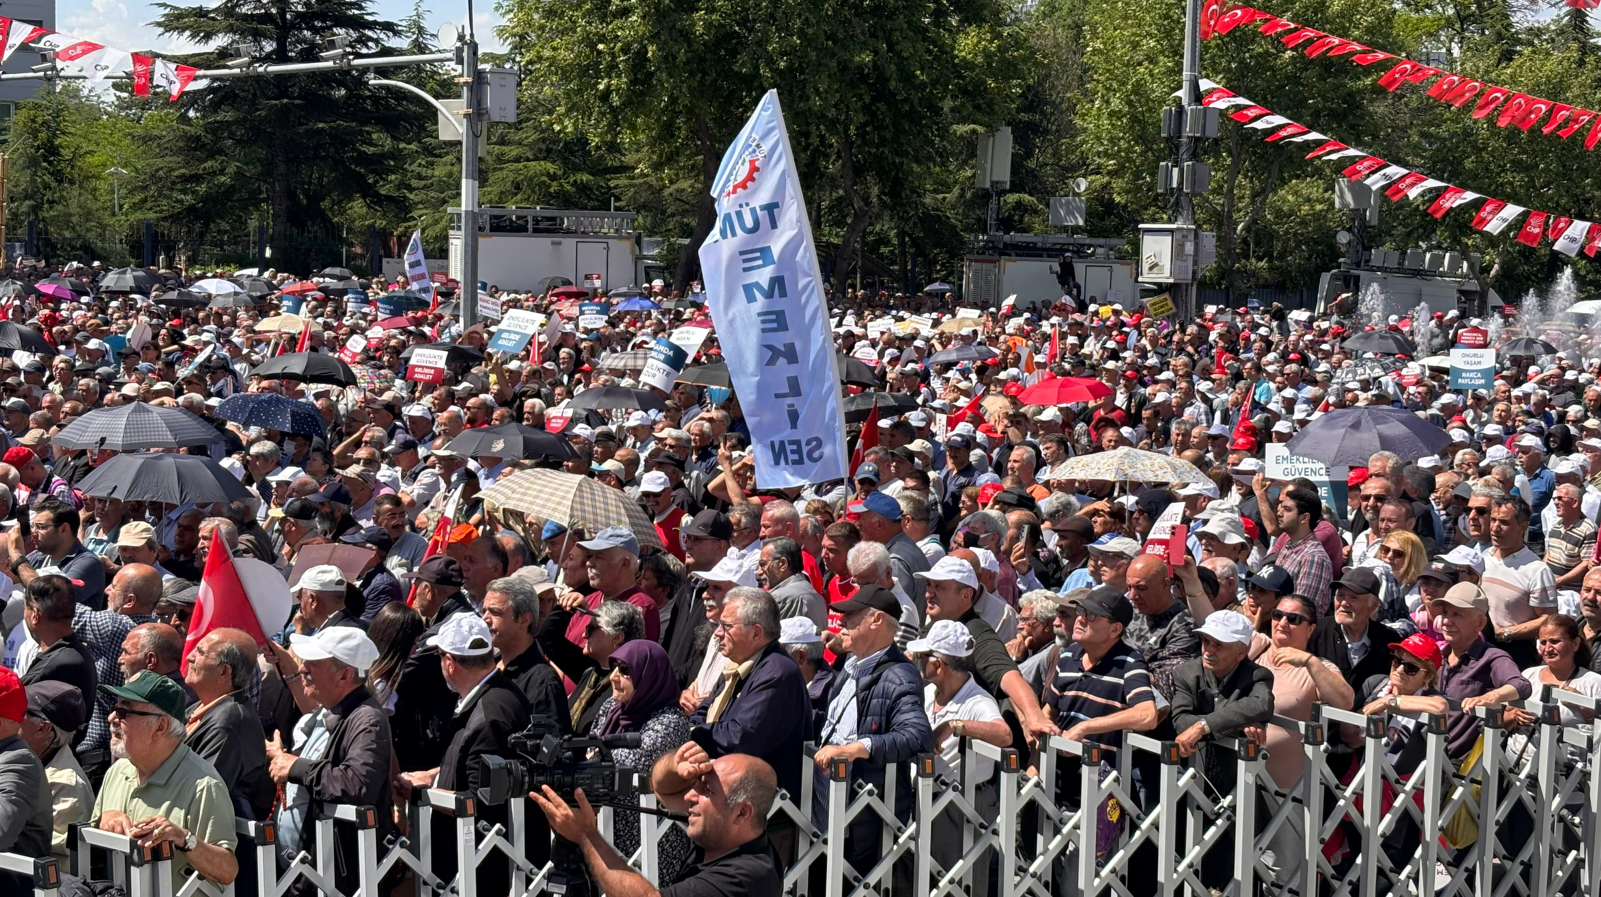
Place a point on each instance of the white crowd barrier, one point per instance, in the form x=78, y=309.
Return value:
x=1518, y=821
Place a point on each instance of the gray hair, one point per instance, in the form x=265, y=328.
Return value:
x=781, y=511
x=1573, y=490
x=1040, y=603
x=266, y=448
x=754, y=607
x=811, y=525
x=994, y=522
x=1228, y=576
x=229, y=530
x=748, y=515
x=1490, y=492
x=1058, y=503
x=914, y=506
x=868, y=562
x=621, y=618
x=1465, y=454
x=522, y=594
x=241, y=668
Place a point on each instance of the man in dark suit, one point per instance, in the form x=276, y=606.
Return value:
x=423, y=700
x=761, y=707
x=220, y=728
x=1356, y=643
x=491, y=709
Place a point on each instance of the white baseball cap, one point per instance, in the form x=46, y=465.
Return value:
x=951, y=569
x=1227, y=626
x=730, y=569
x=1226, y=528
x=946, y=637
x=1204, y=487
x=421, y=411
x=655, y=481
x=986, y=559
x=637, y=419
x=1529, y=440
x=287, y=475
x=464, y=635
x=798, y=631
x=346, y=644
x=1496, y=453
x=1463, y=556
x=321, y=578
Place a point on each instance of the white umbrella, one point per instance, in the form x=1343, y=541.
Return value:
x=216, y=286
x=1441, y=362
x=1586, y=307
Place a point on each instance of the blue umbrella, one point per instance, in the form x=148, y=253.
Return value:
x=399, y=303
x=963, y=352
x=273, y=412
x=636, y=303
x=1348, y=437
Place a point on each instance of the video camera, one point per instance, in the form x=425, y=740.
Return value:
x=545, y=757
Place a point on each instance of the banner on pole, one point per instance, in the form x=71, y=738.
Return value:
x=427, y=366
x=1279, y=465
x=515, y=330
x=764, y=292
x=593, y=315
x=670, y=354
x=1472, y=368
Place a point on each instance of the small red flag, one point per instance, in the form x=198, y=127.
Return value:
x=867, y=439
x=222, y=604
x=305, y=338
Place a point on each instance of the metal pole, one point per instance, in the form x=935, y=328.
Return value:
x=1183, y=295
x=471, y=130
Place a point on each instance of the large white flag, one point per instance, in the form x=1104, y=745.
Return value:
x=764, y=291
x=417, y=266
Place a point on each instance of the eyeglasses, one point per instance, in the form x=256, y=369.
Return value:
x=1390, y=552
x=1478, y=512
x=1406, y=666
x=1290, y=617
x=125, y=712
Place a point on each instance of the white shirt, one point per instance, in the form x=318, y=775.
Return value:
x=996, y=612
x=971, y=704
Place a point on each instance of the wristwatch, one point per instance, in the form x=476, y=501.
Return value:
x=188, y=843
x=1394, y=703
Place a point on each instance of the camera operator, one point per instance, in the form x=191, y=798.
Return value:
x=727, y=801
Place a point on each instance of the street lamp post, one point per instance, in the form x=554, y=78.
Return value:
x=116, y=190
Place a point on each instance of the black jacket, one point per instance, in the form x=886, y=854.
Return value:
x=229, y=736
x=354, y=769
x=483, y=728
x=66, y=660
x=1329, y=642
x=1243, y=698
x=679, y=637
x=541, y=686
x=423, y=702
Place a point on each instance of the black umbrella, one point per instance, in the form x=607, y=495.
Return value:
x=308, y=367
x=14, y=336
x=234, y=300
x=273, y=412
x=1528, y=345
x=680, y=304
x=938, y=286
x=346, y=284
x=855, y=372
x=450, y=309
x=13, y=288
x=182, y=299
x=1348, y=437
x=960, y=353
x=603, y=397
x=889, y=404
x=128, y=280
x=1381, y=342
x=706, y=375
x=255, y=286
x=136, y=426
x=337, y=273
x=512, y=441
x=548, y=283
x=454, y=353
x=165, y=477
x=1367, y=369
x=71, y=283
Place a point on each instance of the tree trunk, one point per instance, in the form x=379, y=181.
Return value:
x=851, y=239
x=706, y=209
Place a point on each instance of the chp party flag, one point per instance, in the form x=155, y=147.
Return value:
x=417, y=266
x=15, y=34
x=1571, y=240
x=764, y=291
x=1533, y=228
x=172, y=77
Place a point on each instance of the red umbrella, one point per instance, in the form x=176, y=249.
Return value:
x=1063, y=391
x=397, y=322
x=574, y=292
x=305, y=286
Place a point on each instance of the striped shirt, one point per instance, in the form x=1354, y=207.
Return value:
x=1566, y=546
x=1117, y=682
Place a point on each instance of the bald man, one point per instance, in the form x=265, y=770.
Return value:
x=134, y=591
x=157, y=647
x=221, y=728
x=1162, y=630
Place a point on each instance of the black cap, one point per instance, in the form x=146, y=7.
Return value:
x=958, y=441
x=376, y=536
x=300, y=509
x=1275, y=579
x=1443, y=571
x=439, y=570
x=1108, y=602
x=1360, y=580
x=334, y=492
x=668, y=458
x=709, y=524
x=871, y=597
x=59, y=703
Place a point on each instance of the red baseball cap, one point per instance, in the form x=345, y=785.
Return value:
x=13, y=697
x=1013, y=389
x=1357, y=477
x=1422, y=647
x=19, y=455
x=987, y=492
x=1244, y=444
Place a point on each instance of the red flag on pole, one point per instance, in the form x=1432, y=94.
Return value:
x=305, y=338
x=440, y=536
x=970, y=408
x=865, y=440
x=223, y=602
x=1056, y=343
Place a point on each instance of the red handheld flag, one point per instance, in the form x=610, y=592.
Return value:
x=867, y=439
x=222, y=604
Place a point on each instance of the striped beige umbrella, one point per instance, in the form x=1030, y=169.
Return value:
x=281, y=324
x=1130, y=465
x=632, y=360
x=571, y=500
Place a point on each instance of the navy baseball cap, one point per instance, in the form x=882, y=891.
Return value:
x=880, y=504
x=376, y=536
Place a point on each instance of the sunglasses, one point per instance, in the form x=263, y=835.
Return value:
x=1388, y=552
x=1478, y=512
x=1290, y=617
x=126, y=712
x=1406, y=666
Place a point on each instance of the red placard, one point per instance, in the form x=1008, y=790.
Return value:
x=350, y=353
x=423, y=373
x=1473, y=338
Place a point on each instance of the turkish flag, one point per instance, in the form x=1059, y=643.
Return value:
x=305, y=338
x=1323, y=45
x=1490, y=100
x=1533, y=112
x=1056, y=343
x=867, y=439
x=1594, y=135
x=1278, y=27
x=1443, y=87
x=1371, y=57
x=1210, y=11
x=222, y=604
x=1463, y=92
x=1363, y=168
x=1533, y=229
x=1513, y=110
x=1233, y=18
x=1300, y=36
x=1577, y=120
x=1347, y=46
x=1398, y=73
x=1487, y=213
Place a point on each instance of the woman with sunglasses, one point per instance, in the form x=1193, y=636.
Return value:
x=1403, y=556
x=644, y=702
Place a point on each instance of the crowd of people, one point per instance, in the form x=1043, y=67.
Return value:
x=959, y=585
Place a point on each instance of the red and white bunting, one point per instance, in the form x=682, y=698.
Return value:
x=1571, y=240
x=1533, y=229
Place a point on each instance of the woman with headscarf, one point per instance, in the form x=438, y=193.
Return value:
x=644, y=701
